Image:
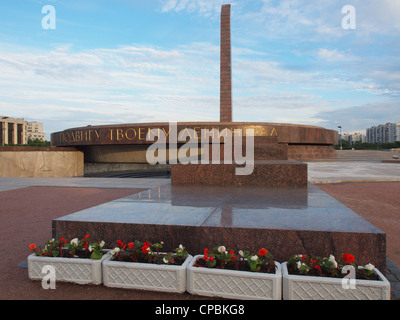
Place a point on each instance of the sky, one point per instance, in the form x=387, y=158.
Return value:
x=130, y=61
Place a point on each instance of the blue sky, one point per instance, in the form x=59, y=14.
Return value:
x=129, y=61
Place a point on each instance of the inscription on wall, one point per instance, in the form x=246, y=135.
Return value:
x=137, y=134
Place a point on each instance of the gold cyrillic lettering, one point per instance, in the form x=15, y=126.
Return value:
x=140, y=134
x=127, y=136
x=273, y=130
x=120, y=134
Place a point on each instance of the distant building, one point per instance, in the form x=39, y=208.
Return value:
x=13, y=131
x=397, y=131
x=389, y=132
x=18, y=131
x=34, y=130
x=354, y=137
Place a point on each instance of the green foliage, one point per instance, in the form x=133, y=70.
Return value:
x=39, y=143
x=368, y=145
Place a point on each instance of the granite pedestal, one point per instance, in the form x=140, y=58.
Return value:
x=286, y=221
x=266, y=173
x=269, y=167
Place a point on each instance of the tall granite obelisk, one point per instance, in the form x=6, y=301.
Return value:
x=225, y=67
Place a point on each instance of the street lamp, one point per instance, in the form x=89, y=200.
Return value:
x=2, y=131
x=340, y=136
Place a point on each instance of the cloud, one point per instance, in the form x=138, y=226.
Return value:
x=150, y=84
x=291, y=60
x=102, y=86
x=360, y=117
x=334, y=55
x=206, y=8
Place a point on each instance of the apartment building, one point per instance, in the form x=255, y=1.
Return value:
x=389, y=132
x=12, y=131
x=18, y=131
x=34, y=130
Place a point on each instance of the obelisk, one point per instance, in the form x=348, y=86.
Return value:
x=225, y=65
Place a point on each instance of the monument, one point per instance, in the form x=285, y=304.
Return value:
x=126, y=143
x=205, y=205
x=225, y=66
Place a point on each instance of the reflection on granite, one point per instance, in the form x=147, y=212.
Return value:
x=249, y=207
x=285, y=220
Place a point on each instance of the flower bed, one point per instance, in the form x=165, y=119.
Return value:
x=310, y=278
x=215, y=273
x=137, y=265
x=77, y=261
x=222, y=273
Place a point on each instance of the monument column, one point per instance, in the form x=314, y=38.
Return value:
x=225, y=68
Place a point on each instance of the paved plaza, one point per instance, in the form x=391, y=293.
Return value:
x=30, y=204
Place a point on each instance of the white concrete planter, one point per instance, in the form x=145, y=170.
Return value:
x=234, y=284
x=145, y=276
x=77, y=270
x=297, y=287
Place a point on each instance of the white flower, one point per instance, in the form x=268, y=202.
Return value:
x=115, y=250
x=332, y=259
x=90, y=248
x=369, y=267
x=221, y=249
x=102, y=243
x=180, y=248
x=74, y=241
x=165, y=259
x=241, y=253
x=302, y=264
x=162, y=242
x=254, y=258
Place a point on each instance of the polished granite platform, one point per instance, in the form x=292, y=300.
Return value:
x=285, y=221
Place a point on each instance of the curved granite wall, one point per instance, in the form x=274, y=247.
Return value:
x=126, y=143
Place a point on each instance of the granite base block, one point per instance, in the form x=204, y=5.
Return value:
x=311, y=223
x=366, y=247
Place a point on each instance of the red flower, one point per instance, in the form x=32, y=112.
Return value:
x=145, y=249
x=211, y=259
x=63, y=241
x=120, y=244
x=317, y=266
x=348, y=258
x=147, y=244
x=205, y=254
x=32, y=246
x=304, y=257
x=131, y=245
x=262, y=252
x=87, y=236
